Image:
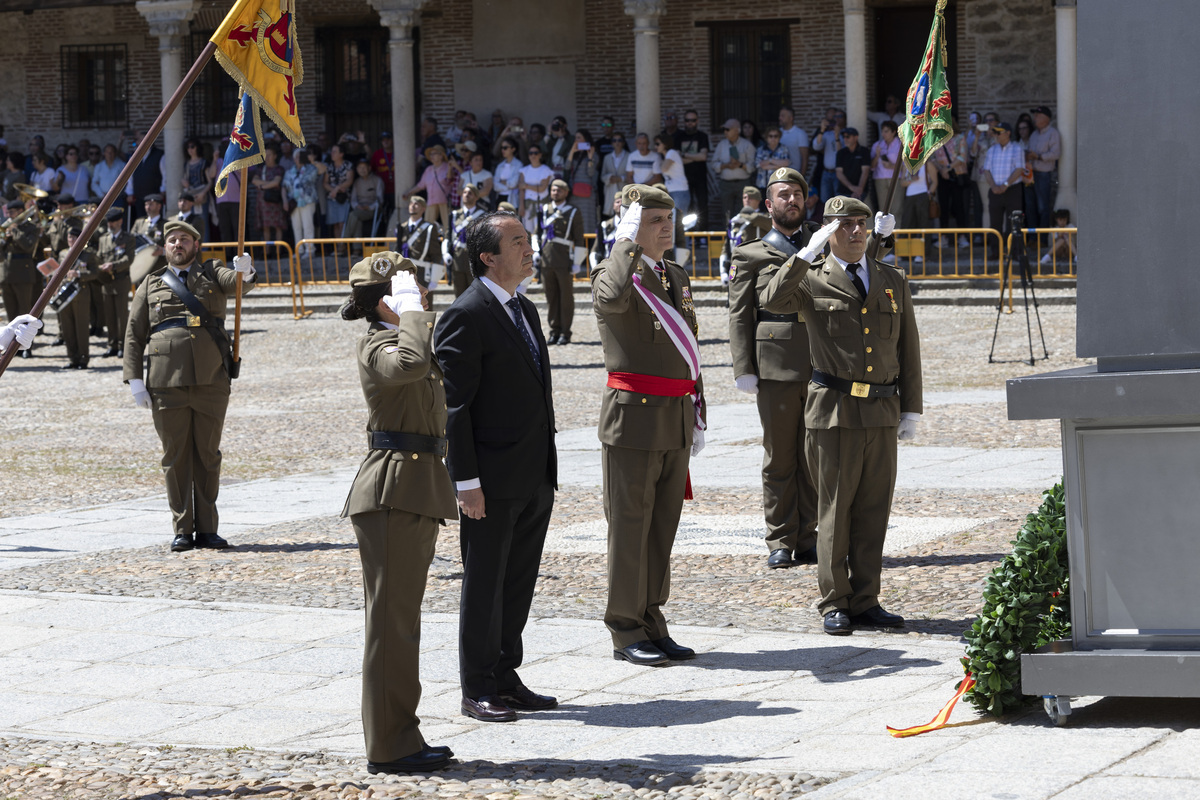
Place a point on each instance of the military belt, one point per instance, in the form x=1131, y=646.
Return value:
x=562, y=241
x=767, y=316
x=415, y=442
x=853, y=388
x=188, y=321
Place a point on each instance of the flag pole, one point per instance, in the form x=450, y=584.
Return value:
x=241, y=244
x=887, y=204
x=117, y=189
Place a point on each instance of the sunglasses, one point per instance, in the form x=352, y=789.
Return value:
x=506, y=147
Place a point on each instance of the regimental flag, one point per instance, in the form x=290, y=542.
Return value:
x=245, y=143
x=928, y=125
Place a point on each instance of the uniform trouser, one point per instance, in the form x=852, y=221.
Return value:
x=18, y=299
x=560, y=299
x=855, y=470
x=789, y=496
x=114, y=299
x=643, y=498
x=189, y=421
x=462, y=279
x=501, y=554
x=73, y=322
x=396, y=548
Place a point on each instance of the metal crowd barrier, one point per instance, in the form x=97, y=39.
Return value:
x=274, y=263
x=1042, y=244
x=938, y=253
x=328, y=261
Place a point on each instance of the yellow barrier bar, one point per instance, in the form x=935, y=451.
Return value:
x=270, y=271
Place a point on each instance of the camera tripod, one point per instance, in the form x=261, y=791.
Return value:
x=1019, y=255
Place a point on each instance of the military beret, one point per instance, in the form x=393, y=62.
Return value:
x=379, y=268
x=180, y=225
x=191, y=198
x=419, y=199
x=648, y=196
x=507, y=206
x=752, y=191
x=115, y=214
x=155, y=197
x=470, y=186
x=16, y=205
x=846, y=207
x=65, y=199
x=787, y=175
x=560, y=183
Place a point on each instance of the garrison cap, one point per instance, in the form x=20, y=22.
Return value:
x=179, y=225
x=753, y=192
x=379, y=268
x=155, y=197
x=648, y=196
x=74, y=225
x=846, y=207
x=788, y=175
x=16, y=205
x=65, y=199
x=191, y=198
x=470, y=186
x=115, y=214
x=560, y=183
x=419, y=199
x=507, y=206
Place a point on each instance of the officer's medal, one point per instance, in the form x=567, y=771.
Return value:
x=891, y=297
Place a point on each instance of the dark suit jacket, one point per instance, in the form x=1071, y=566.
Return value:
x=147, y=178
x=501, y=410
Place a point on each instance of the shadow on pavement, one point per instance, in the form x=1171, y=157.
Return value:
x=662, y=713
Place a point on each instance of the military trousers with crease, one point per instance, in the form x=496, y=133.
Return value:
x=643, y=498
x=189, y=421
x=18, y=299
x=114, y=301
x=855, y=472
x=560, y=299
x=789, y=494
x=74, y=321
x=396, y=548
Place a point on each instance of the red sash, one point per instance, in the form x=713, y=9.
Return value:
x=659, y=387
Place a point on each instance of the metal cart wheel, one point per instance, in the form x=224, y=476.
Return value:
x=1058, y=709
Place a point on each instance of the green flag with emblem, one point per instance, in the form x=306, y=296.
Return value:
x=927, y=123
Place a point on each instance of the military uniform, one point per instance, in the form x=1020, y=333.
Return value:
x=188, y=382
x=858, y=346
x=117, y=249
x=18, y=272
x=646, y=437
x=74, y=319
x=605, y=240
x=402, y=492
x=561, y=234
x=749, y=225
x=152, y=230
x=456, y=245
x=420, y=241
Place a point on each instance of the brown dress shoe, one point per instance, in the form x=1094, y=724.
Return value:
x=489, y=708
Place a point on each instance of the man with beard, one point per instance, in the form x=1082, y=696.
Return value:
x=771, y=361
x=187, y=386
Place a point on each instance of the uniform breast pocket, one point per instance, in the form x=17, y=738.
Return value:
x=159, y=347
x=773, y=331
x=889, y=320
x=835, y=316
x=651, y=329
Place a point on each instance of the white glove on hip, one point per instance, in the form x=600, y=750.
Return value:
x=908, y=429
x=697, y=441
x=816, y=245
x=23, y=328
x=141, y=397
x=746, y=383
x=245, y=265
x=631, y=222
x=406, y=295
x=884, y=224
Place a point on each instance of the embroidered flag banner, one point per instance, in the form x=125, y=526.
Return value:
x=927, y=107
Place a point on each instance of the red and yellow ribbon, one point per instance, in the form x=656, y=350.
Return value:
x=942, y=717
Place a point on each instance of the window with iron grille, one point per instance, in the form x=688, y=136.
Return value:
x=751, y=70
x=94, y=86
x=212, y=103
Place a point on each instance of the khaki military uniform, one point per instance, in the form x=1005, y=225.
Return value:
x=18, y=272
x=456, y=243
x=396, y=503
x=646, y=441
x=747, y=226
x=562, y=232
x=421, y=243
x=114, y=285
x=189, y=385
x=74, y=319
x=850, y=446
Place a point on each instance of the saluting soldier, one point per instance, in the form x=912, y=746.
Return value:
x=420, y=241
x=178, y=320
x=400, y=496
x=18, y=272
x=454, y=246
x=74, y=319
x=651, y=420
x=607, y=235
x=771, y=361
x=152, y=227
x=562, y=253
x=865, y=393
x=115, y=254
x=748, y=225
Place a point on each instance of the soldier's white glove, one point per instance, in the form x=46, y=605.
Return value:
x=446, y=251
x=816, y=245
x=746, y=383
x=884, y=224
x=631, y=222
x=141, y=397
x=697, y=441
x=908, y=426
x=405, y=295
x=245, y=265
x=578, y=256
x=23, y=328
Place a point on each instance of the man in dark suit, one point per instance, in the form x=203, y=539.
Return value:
x=502, y=460
x=147, y=178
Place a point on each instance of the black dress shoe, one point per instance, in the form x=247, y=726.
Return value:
x=109, y=353
x=672, y=650
x=522, y=698
x=27, y=352
x=564, y=338
x=779, y=559
x=441, y=748
x=837, y=623
x=643, y=654
x=552, y=339
x=69, y=365
x=808, y=556
x=211, y=541
x=489, y=708
x=120, y=352
x=876, y=617
x=182, y=543
x=58, y=342
x=421, y=761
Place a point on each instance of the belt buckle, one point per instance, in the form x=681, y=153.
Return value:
x=193, y=321
x=860, y=389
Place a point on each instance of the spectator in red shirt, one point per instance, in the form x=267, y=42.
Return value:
x=383, y=164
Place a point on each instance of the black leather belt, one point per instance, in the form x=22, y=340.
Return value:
x=389, y=440
x=854, y=388
x=767, y=316
x=188, y=321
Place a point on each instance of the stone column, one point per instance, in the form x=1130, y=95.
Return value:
x=645, y=15
x=1064, y=13
x=168, y=21
x=399, y=16
x=855, y=18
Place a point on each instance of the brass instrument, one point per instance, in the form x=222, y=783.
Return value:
x=10, y=224
x=30, y=192
x=83, y=212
